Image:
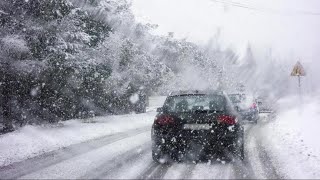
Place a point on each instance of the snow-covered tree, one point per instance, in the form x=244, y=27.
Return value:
x=63, y=59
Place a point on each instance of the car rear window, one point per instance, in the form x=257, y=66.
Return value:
x=199, y=102
x=237, y=98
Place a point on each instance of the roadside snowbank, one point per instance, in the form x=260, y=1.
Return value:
x=31, y=141
x=292, y=138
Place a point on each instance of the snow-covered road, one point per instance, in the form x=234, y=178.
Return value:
x=127, y=155
x=119, y=147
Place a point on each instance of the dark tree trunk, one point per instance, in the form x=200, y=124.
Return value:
x=6, y=108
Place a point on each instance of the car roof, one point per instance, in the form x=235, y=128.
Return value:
x=194, y=92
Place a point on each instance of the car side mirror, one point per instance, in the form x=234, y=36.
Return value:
x=160, y=109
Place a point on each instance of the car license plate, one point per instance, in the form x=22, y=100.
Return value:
x=197, y=126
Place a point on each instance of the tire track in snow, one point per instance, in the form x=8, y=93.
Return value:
x=116, y=163
x=212, y=171
x=132, y=168
x=155, y=171
x=253, y=157
x=269, y=169
x=160, y=171
x=83, y=164
x=259, y=157
x=179, y=171
x=147, y=172
x=19, y=169
x=243, y=169
x=187, y=173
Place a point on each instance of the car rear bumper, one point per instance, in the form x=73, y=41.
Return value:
x=208, y=139
x=250, y=115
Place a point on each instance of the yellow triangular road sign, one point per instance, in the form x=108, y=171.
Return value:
x=298, y=70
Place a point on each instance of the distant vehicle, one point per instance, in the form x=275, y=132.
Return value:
x=197, y=125
x=247, y=106
x=264, y=105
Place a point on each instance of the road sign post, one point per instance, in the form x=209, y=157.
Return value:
x=298, y=71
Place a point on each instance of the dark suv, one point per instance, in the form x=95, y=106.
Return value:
x=197, y=126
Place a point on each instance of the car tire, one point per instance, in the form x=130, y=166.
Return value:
x=239, y=147
x=256, y=119
x=157, y=153
x=241, y=152
x=156, y=156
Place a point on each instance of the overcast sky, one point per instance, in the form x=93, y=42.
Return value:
x=290, y=27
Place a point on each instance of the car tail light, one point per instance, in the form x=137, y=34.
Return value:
x=254, y=106
x=164, y=120
x=226, y=119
